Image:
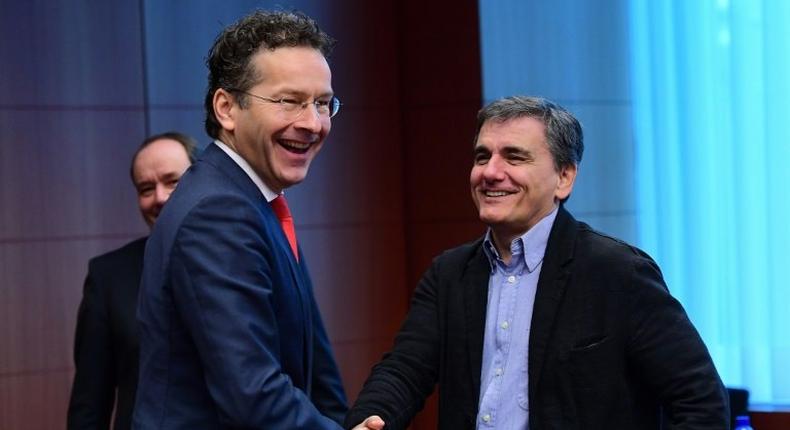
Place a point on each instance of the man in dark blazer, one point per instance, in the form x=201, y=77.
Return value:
x=543, y=323
x=231, y=336
x=106, y=342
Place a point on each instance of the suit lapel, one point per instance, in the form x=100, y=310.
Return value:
x=284, y=248
x=475, y=284
x=551, y=289
x=216, y=157
x=280, y=240
x=220, y=160
x=300, y=288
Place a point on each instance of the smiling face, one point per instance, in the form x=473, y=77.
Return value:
x=514, y=181
x=156, y=171
x=279, y=145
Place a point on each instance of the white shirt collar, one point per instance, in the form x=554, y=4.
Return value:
x=266, y=191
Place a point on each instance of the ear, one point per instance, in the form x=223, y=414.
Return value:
x=567, y=176
x=224, y=111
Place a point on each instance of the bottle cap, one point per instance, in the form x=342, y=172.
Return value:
x=742, y=420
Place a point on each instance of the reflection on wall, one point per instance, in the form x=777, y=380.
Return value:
x=576, y=54
x=710, y=96
x=684, y=106
x=82, y=83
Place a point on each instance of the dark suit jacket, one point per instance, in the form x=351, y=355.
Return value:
x=608, y=345
x=106, y=342
x=230, y=332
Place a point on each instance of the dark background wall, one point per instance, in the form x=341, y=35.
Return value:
x=83, y=82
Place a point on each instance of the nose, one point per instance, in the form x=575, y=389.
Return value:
x=162, y=194
x=494, y=169
x=309, y=119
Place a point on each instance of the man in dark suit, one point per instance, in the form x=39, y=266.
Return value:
x=106, y=342
x=543, y=323
x=231, y=336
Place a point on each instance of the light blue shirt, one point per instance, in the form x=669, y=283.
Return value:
x=504, y=395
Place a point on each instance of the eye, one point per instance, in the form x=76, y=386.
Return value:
x=145, y=191
x=482, y=158
x=322, y=105
x=290, y=104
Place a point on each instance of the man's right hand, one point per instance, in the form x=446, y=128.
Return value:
x=373, y=422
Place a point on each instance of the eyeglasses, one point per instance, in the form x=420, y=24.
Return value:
x=328, y=108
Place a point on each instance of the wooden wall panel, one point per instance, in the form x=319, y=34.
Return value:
x=70, y=54
x=64, y=173
x=773, y=420
x=350, y=208
x=70, y=116
x=41, y=288
x=36, y=400
x=441, y=94
x=371, y=214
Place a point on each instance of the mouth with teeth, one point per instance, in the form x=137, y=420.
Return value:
x=496, y=193
x=294, y=146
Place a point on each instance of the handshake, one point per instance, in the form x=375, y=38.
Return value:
x=372, y=422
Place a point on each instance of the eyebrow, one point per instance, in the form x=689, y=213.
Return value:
x=507, y=150
x=298, y=93
x=480, y=149
x=170, y=175
x=166, y=176
x=143, y=184
x=516, y=150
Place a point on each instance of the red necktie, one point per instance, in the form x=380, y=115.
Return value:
x=280, y=207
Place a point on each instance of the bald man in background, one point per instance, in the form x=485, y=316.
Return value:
x=106, y=344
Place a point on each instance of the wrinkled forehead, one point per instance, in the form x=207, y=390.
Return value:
x=521, y=130
x=299, y=65
x=161, y=154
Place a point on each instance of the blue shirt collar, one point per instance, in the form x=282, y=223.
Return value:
x=530, y=246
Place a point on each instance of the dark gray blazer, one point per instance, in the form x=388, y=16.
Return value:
x=106, y=344
x=609, y=347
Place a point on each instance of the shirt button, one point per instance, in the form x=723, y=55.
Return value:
x=498, y=371
x=511, y=279
x=486, y=418
x=505, y=325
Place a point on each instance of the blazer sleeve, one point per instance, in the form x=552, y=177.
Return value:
x=222, y=283
x=398, y=385
x=93, y=389
x=327, y=393
x=671, y=356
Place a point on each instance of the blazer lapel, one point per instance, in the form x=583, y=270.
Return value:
x=475, y=282
x=300, y=288
x=281, y=241
x=552, y=284
x=218, y=158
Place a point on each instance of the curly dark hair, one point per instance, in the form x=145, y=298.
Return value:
x=228, y=59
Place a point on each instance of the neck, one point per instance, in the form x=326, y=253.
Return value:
x=502, y=244
x=228, y=140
